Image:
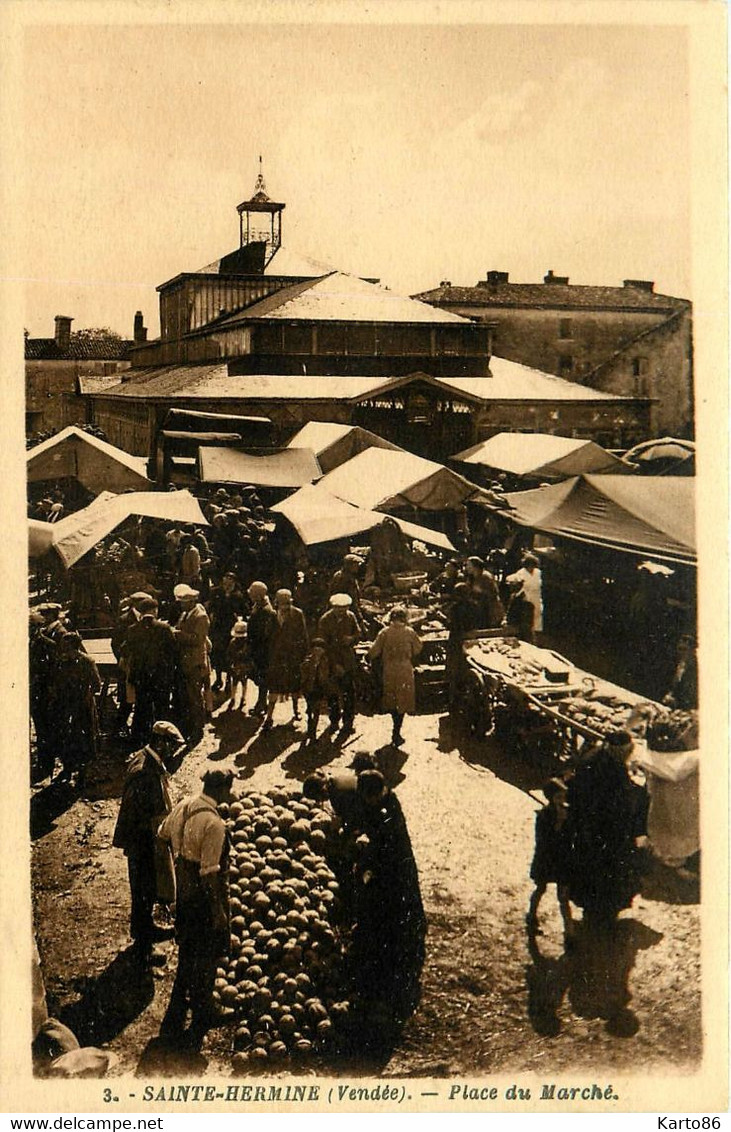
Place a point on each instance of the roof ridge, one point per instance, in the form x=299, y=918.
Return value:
x=646, y=333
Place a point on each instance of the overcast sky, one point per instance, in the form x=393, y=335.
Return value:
x=412, y=153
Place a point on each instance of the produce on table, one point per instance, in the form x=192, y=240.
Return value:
x=673, y=731
x=283, y=982
x=521, y=664
x=599, y=715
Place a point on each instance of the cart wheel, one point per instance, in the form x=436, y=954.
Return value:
x=477, y=707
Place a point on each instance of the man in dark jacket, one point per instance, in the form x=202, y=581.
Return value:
x=388, y=943
x=260, y=629
x=340, y=631
x=150, y=654
x=225, y=605
x=145, y=803
x=606, y=816
x=489, y=611
x=42, y=657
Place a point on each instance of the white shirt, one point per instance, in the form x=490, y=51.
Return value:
x=199, y=837
x=532, y=590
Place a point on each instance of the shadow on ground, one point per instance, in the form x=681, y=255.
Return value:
x=109, y=1002
x=493, y=754
x=592, y=975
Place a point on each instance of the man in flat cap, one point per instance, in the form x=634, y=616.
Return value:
x=200, y=846
x=150, y=653
x=191, y=633
x=145, y=802
x=340, y=631
x=128, y=615
x=345, y=581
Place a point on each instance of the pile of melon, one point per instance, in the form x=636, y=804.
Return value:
x=283, y=986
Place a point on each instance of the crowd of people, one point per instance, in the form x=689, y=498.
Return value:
x=190, y=628
x=198, y=617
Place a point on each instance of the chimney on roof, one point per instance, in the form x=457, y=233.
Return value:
x=140, y=330
x=62, y=337
x=641, y=284
x=494, y=277
x=445, y=282
x=551, y=278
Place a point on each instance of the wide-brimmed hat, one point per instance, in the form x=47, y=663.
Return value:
x=239, y=629
x=183, y=591
x=340, y=601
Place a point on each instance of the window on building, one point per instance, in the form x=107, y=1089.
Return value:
x=449, y=340
x=565, y=365
x=268, y=338
x=361, y=339
x=565, y=328
x=640, y=373
x=297, y=339
x=331, y=338
x=418, y=409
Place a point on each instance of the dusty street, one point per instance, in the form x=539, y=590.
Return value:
x=488, y=1004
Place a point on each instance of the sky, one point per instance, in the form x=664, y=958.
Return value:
x=410, y=153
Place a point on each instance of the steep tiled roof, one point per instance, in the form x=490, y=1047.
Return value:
x=510, y=381
x=213, y=381
x=80, y=349
x=342, y=297
x=552, y=296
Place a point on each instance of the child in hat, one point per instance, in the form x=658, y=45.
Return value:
x=239, y=666
x=550, y=857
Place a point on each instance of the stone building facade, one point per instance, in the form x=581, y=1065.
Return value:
x=59, y=370
x=627, y=339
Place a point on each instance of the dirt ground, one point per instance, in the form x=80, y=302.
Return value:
x=490, y=1004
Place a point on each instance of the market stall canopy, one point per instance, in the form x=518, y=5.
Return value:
x=541, y=454
x=378, y=479
x=40, y=537
x=334, y=444
x=77, y=534
x=97, y=465
x=293, y=467
x=319, y=517
x=649, y=515
x=665, y=456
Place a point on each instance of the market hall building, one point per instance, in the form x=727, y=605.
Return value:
x=263, y=333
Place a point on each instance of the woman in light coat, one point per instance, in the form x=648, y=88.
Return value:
x=527, y=603
x=398, y=646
